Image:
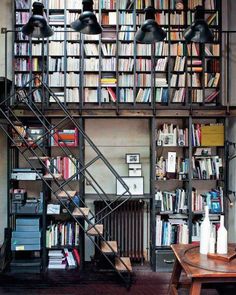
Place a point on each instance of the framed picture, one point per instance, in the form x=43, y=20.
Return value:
x=167, y=139
x=132, y=158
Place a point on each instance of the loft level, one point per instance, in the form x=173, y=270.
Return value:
x=134, y=111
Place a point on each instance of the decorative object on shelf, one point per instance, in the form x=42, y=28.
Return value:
x=199, y=31
x=87, y=22
x=37, y=25
x=150, y=31
x=205, y=233
x=222, y=240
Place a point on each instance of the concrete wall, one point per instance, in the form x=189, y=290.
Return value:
x=5, y=21
x=115, y=138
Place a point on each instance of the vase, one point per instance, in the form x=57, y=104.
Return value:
x=205, y=231
x=222, y=238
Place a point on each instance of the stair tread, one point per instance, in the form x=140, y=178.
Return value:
x=77, y=211
x=49, y=176
x=63, y=194
x=120, y=266
x=106, y=249
x=93, y=232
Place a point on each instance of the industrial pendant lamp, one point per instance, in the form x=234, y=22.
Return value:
x=150, y=31
x=199, y=31
x=87, y=22
x=37, y=25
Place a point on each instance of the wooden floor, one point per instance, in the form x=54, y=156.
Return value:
x=145, y=282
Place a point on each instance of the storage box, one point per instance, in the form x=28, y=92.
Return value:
x=135, y=185
x=25, y=247
x=164, y=260
x=27, y=221
x=212, y=135
x=135, y=169
x=23, y=234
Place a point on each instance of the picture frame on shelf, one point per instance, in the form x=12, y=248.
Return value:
x=167, y=139
x=132, y=158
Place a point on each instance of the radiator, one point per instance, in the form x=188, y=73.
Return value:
x=126, y=226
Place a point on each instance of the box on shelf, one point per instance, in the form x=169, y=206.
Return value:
x=212, y=135
x=135, y=169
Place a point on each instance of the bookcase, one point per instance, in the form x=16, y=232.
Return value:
x=114, y=72
x=112, y=68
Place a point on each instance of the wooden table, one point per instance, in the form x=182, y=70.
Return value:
x=199, y=269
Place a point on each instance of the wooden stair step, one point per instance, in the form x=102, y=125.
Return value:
x=78, y=211
x=94, y=232
x=120, y=266
x=64, y=194
x=106, y=249
x=49, y=176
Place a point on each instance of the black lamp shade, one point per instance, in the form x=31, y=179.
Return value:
x=150, y=31
x=87, y=24
x=199, y=31
x=37, y=25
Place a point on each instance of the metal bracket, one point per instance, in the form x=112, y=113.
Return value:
x=3, y=30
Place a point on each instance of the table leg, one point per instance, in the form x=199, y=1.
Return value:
x=175, y=278
x=196, y=287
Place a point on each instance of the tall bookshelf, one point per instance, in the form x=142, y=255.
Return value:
x=114, y=72
x=112, y=69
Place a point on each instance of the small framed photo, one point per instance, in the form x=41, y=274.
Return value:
x=132, y=158
x=167, y=139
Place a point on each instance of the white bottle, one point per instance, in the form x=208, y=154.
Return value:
x=212, y=242
x=222, y=239
x=205, y=231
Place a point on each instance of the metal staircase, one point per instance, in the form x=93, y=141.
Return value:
x=35, y=154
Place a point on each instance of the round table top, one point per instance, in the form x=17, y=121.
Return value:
x=192, y=257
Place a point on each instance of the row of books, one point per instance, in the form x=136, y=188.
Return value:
x=172, y=18
x=27, y=64
x=62, y=234
x=60, y=34
x=72, y=96
x=177, y=168
x=26, y=49
x=161, y=95
x=69, y=4
x=211, y=18
x=173, y=202
x=22, y=79
x=173, y=231
x=178, y=95
x=197, y=132
x=21, y=17
x=141, y=80
x=213, y=198
x=172, y=135
x=57, y=79
x=67, y=167
x=109, y=49
x=63, y=259
x=207, y=167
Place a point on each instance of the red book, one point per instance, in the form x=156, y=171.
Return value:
x=76, y=256
x=112, y=94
